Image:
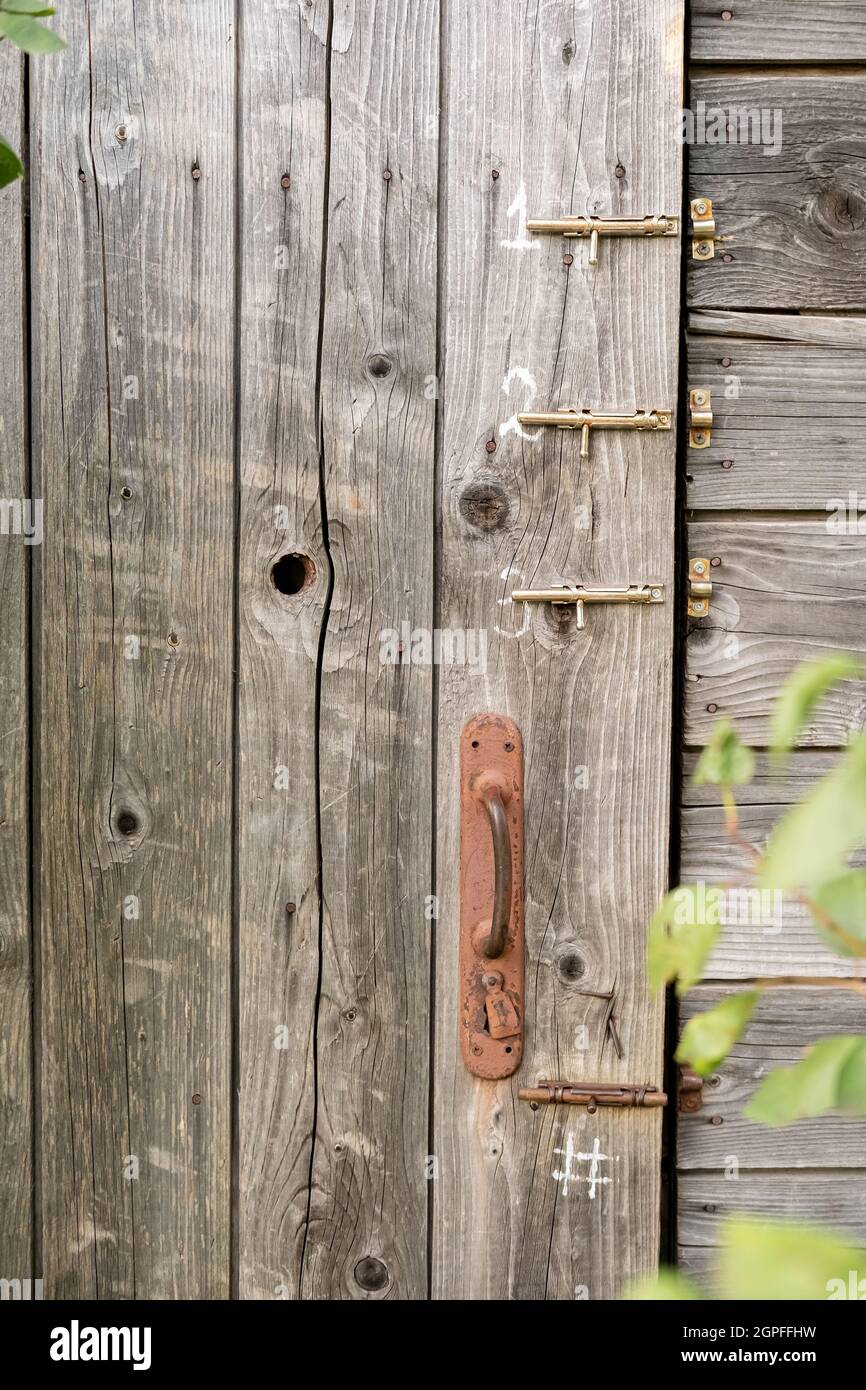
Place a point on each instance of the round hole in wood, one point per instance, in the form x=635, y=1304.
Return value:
x=127, y=823
x=371, y=1274
x=293, y=573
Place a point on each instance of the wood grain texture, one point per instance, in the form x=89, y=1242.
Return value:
x=796, y=218
x=762, y=935
x=283, y=67
x=772, y=787
x=538, y=123
x=778, y=31
x=16, y=1100
x=788, y=416
x=367, y=1236
x=785, y=591
x=785, y=1023
x=133, y=385
x=835, y=1199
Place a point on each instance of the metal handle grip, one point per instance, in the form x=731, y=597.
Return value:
x=493, y=943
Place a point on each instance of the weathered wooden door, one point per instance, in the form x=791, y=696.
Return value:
x=284, y=311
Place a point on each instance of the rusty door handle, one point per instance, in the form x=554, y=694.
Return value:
x=492, y=943
x=491, y=896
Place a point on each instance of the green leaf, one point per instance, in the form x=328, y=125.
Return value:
x=708, y=1038
x=667, y=1286
x=31, y=7
x=28, y=35
x=803, y=690
x=811, y=1087
x=726, y=761
x=11, y=167
x=778, y=1260
x=844, y=900
x=682, y=934
x=810, y=845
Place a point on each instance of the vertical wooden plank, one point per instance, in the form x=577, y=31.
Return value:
x=134, y=168
x=367, y=1235
x=283, y=66
x=16, y=1137
x=552, y=108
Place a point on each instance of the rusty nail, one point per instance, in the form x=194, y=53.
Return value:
x=173, y=639
x=387, y=175
x=568, y=260
x=126, y=493
x=716, y=560
x=726, y=362
x=82, y=177
x=285, y=181
x=614, y=1036
x=290, y=908
x=196, y=172
x=196, y=1100
x=494, y=174
x=727, y=463
x=620, y=171
x=716, y=1120
x=727, y=14
x=727, y=258
x=490, y=446
x=533, y=1105
x=711, y=709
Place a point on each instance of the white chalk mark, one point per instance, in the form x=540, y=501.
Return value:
x=523, y=375
x=521, y=241
x=567, y=1174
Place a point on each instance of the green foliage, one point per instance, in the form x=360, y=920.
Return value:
x=682, y=933
x=840, y=919
x=725, y=761
x=11, y=167
x=831, y=1076
x=779, y=1260
x=811, y=844
x=802, y=692
x=765, y=1260
x=19, y=23
x=708, y=1038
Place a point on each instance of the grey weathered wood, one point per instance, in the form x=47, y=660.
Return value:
x=809, y=326
x=16, y=1135
x=788, y=416
x=796, y=218
x=786, y=1022
x=133, y=387
x=532, y=101
x=786, y=591
x=368, y=1220
x=836, y=1199
x=778, y=31
x=772, y=786
x=762, y=935
x=283, y=65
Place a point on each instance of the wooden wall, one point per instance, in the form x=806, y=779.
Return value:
x=282, y=313
x=776, y=328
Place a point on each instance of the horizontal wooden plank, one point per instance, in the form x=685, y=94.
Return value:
x=771, y=786
x=796, y=215
x=834, y=1198
x=784, y=592
x=846, y=330
x=778, y=31
x=763, y=934
x=788, y=422
x=784, y=1024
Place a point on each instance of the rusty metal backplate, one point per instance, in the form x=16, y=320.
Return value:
x=491, y=990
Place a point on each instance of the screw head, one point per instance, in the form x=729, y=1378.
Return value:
x=700, y=206
x=656, y=593
x=700, y=397
x=699, y=567
x=699, y=437
x=703, y=248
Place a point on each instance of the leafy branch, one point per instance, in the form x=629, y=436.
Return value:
x=806, y=857
x=19, y=23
